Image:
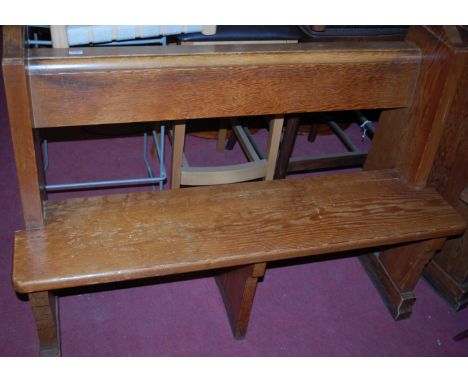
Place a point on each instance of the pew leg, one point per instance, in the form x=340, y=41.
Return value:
x=450, y=289
x=396, y=271
x=46, y=313
x=238, y=287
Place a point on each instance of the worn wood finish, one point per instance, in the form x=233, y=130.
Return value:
x=450, y=289
x=412, y=146
x=46, y=313
x=399, y=303
x=238, y=288
x=407, y=276
x=448, y=272
x=113, y=238
x=25, y=144
x=395, y=272
x=209, y=81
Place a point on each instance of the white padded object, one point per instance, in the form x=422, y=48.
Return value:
x=85, y=34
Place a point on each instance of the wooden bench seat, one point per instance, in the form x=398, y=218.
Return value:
x=123, y=237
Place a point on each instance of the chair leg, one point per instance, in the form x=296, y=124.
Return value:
x=46, y=313
x=274, y=138
x=286, y=148
x=238, y=288
x=222, y=134
x=178, y=140
x=396, y=271
x=314, y=129
x=231, y=142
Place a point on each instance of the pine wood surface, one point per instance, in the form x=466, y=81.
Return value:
x=154, y=83
x=121, y=237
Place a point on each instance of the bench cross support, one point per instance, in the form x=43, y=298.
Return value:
x=238, y=288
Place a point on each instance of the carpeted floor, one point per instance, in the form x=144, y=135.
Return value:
x=304, y=308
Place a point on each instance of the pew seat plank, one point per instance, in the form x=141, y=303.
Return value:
x=114, y=238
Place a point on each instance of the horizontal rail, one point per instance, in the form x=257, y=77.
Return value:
x=212, y=82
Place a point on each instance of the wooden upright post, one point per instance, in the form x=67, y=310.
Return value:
x=178, y=140
x=411, y=148
x=25, y=142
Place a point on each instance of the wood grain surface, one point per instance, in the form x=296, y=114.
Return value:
x=237, y=287
x=199, y=82
x=45, y=309
x=120, y=237
x=25, y=143
x=413, y=145
x=448, y=271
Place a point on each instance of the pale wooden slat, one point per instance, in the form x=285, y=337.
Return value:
x=178, y=140
x=222, y=135
x=59, y=36
x=274, y=137
x=204, y=176
x=245, y=143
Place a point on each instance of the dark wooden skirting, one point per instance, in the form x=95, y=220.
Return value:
x=325, y=162
x=398, y=303
x=454, y=293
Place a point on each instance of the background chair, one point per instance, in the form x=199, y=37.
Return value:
x=259, y=166
x=354, y=157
